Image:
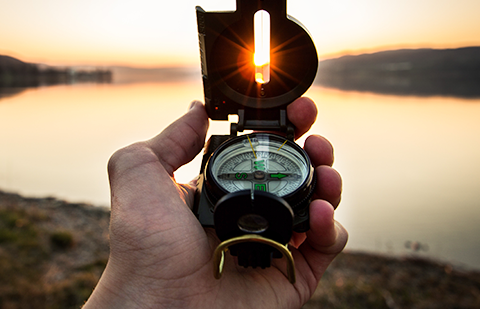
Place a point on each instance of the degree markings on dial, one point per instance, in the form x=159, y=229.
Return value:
x=282, y=168
x=251, y=145
x=286, y=171
x=286, y=164
x=262, y=177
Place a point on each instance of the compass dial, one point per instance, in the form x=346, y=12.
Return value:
x=264, y=162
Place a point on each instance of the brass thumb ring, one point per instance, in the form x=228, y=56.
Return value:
x=219, y=254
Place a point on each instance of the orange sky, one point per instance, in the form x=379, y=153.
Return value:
x=160, y=33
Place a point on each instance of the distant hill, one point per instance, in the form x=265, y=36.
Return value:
x=424, y=72
x=451, y=72
x=10, y=63
x=15, y=73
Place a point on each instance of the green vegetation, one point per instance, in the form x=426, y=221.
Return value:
x=19, y=236
x=357, y=280
x=40, y=264
x=52, y=255
x=62, y=239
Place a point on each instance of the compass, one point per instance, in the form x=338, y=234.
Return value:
x=262, y=162
x=254, y=189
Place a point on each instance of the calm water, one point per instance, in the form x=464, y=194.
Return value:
x=410, y=165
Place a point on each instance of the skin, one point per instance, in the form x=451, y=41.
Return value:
x=160, y=255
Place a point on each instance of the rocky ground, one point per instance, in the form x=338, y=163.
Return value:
x=52, y=253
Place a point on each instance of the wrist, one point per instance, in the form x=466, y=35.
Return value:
x=122, y=288
x=117, y=290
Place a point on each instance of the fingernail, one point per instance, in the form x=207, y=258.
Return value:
x=192, y=105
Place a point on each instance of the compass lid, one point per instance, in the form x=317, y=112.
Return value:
x=227, y=48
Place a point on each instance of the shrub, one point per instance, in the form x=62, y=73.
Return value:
x=62, y=239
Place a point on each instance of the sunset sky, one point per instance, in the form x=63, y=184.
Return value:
x=156, y=33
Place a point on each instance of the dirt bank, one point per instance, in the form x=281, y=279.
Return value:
x=52, y=253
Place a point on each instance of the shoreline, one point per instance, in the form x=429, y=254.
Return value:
x=52, y=253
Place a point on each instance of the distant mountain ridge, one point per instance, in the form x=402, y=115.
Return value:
x=454, y=72
x=466, y=58
x=424, y=72
x=15, y=73
x=7, y=62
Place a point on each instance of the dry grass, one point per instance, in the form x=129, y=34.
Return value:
x=52, y=254
x=358, y=280
x=49, y=256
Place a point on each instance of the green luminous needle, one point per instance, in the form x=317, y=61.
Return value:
x=278, y=175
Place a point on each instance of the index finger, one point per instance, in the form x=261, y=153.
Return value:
x=302, y=114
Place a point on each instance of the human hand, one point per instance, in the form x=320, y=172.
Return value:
x=160, y=255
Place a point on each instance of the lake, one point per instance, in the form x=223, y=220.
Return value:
x=410, y=165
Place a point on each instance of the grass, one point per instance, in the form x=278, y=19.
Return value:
x=357, y=280
x=37, y=259
x=62, y=239
x=53, y=253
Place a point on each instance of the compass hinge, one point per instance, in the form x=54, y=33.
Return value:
x=281, y=124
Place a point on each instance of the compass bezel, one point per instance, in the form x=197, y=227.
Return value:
x=216, y=190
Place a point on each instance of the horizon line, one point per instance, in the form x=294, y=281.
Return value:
x=191, y=65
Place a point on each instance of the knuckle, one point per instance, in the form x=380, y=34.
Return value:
x=124, y=155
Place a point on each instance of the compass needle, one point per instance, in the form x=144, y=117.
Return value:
x=236, y=166
x=251, y=145
x=282, y=145
x=278, y=176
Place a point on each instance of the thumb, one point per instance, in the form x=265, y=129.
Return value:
x=181, y=141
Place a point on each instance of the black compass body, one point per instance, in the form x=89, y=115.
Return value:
x=257, y=184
